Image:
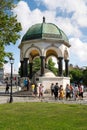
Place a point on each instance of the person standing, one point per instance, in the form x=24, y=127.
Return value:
x=81, y=89
x=7, y=88
x=71, y=90
x=68, y=92
x=33, y=88
x=76, y=92
x=52, y=89
x=27, y=84
x=61, y=93
x=56, y=88
x=40, y=91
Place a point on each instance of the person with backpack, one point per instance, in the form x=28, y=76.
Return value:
x=68, y=92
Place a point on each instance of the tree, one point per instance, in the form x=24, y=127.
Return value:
x=9, y=27
x=76, y=75
x=1, y=55
x=51, y=66
x=36, y=65
x=85, y=76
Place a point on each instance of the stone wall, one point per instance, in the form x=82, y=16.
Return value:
x=46, y=81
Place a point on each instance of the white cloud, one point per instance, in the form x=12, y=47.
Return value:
x=65, y=6
x=23, y=11
x=78, y=8
x=70, y=25
x=78, y=49
x=80, y=14
x=66, y=25
x=28, y=17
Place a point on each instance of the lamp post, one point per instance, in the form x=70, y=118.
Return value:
x=11, y=62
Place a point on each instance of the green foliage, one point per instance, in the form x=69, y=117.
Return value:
x=1, y=55
x=85, y=76
x=9, y=27
x=43, y=116
x=36, y=64
x=76, y=75
x=51, y=66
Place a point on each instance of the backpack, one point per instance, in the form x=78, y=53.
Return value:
x=56, y=88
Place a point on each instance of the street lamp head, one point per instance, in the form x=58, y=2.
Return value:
x=11, y=60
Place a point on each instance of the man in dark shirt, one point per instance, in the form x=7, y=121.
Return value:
x=56, y=88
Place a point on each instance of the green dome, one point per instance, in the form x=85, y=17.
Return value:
x=45, y=31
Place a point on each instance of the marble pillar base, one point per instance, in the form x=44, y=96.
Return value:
x=46, y=81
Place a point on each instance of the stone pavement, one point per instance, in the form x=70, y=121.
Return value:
x=47, y=98
x=4, y=98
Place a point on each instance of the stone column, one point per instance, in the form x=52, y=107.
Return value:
x=21, y=68
x=42, y=65
x=30, y=66
x=60, y=66
x=66, y=68
x=25, y=67
x=46, y=65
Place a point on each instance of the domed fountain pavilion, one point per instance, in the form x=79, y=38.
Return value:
x=44, y=40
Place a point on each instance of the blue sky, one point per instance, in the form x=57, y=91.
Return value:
x=70, y=16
